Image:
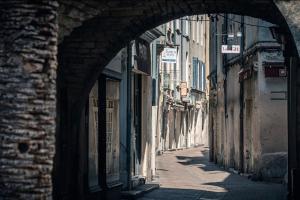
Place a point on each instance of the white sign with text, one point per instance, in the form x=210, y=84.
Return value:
x=169, y=55
x=231, y=49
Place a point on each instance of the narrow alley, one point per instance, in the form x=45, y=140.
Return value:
x=150, y=100
x=188, y=175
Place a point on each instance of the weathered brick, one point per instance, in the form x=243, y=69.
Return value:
x=28, y=72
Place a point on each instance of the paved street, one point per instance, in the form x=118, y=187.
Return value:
x=187, y=175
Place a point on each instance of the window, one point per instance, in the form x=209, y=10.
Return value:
x=195, y=73
x=193, y=30
x=93, y=172
x=110, y=97
x=199, y=75
x=197, y=31
x=202, y=32
x=186, y=27
x=112, y=130
x=177, y=24
x=202, y=82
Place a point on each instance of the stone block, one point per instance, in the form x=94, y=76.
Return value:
x=273, y=166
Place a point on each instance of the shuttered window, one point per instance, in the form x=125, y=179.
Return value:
x=195, y=73
x=199, y=75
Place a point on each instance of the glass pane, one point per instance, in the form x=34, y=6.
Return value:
x=112, y=130
x=93, y=137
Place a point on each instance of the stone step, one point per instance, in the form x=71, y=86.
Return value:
x=139, y=191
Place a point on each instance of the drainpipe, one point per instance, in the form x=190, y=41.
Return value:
x=214, y=136
x=242, y=98
x=225, y=69
x=181, y=73
x=129, y=71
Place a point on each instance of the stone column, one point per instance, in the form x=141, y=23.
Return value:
x=28, y=48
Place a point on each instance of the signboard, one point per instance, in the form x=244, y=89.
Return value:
x=231, y=49
x=275, y=72
x=183, y=89
x=275, y=69
x=169, y=55
x=166, y=80
x=141, y=63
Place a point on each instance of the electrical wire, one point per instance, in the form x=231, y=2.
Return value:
x=246, y=24
x=195, y=20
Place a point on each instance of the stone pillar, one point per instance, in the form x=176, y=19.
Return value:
x=28, y=47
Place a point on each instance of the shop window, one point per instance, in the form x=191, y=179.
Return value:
x=111, y=120
x=112, y=130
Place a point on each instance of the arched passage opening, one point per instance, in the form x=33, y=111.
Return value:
x=91, y=33
x=90, y=46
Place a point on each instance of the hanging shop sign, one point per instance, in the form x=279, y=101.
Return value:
x=166, y=84
x=275, y=69
x=169, y=55
x=275, y=72
x=183, y=89
x=231, y=49
x=142, y=57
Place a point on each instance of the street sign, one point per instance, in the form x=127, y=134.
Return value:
x=169, y=55
x=231, y=49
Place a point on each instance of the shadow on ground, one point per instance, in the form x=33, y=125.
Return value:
x=240, y=193
x=200, y=179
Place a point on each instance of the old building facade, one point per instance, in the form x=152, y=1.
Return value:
x=249, y=93
x=182, y=121
x=124, y=88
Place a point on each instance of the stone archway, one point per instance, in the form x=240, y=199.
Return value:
x=91, y=33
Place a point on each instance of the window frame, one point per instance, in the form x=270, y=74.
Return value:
x=102, y=143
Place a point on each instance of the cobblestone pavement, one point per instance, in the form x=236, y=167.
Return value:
x=187, y=175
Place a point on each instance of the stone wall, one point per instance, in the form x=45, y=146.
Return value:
x=28, y=47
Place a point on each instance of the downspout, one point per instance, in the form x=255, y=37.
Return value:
x=159, y=117
x=242, y=98
x=181, y=71
x=214, y=136
x=129, y=66
x=225, y=69
x=181, y=50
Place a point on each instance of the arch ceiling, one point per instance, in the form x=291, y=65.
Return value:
x=92, y=32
